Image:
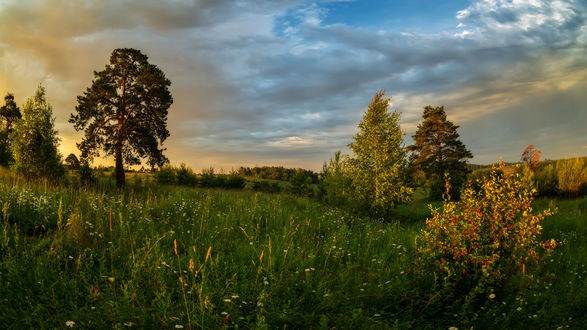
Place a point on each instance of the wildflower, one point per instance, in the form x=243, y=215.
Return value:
x=491, y=296
x=129, y=324
x=453, y=328
x=226, y=300
x=224, y=313
x=519, y=309
x=179, y=326
x=70, y=323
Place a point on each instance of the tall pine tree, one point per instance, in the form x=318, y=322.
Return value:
x=124, y=112
x=376, y=169
x=437, y=148
x=9, y=112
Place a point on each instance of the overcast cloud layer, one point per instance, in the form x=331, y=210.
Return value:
x=269, y=83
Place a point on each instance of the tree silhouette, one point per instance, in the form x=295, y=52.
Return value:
x=72, y=161
x=124, y=112
x=10, y=112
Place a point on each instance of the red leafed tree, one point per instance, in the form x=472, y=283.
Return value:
x=531, y=156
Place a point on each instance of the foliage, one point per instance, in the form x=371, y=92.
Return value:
x=527, y=176
x=34, y=140
x=124, y=112
x=85, y=173
x=334, y=181
x=571, y=175
x=165, y=174
x=235, y=181
x=8, y=114
x=301, y=184
x=185, y=176
x=437, y=147
x=486, y=238
x=438, y=187
x=531, y=156
x=208, y=179
x=276, y=173
x=546, y=181
x=72, y=161
x=244, y=259
x=377, y=166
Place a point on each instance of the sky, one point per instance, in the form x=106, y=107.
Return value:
x=286, y=82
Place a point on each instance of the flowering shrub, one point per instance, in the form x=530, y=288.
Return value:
x=488, y=236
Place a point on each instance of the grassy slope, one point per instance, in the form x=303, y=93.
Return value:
x=104, y=259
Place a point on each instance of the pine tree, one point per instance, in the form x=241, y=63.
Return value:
x=437, y=147
x=124, y=112
x=8, y=114
x=34, y=140
x=377, y=166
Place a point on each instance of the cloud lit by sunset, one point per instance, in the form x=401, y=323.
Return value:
x=286, y=82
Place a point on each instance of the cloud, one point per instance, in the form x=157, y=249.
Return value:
x=270, y=81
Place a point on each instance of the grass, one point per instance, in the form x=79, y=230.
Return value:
x=169, y=256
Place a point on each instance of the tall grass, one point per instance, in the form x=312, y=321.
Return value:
x=198, y=258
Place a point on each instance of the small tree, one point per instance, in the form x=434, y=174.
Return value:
x=124, y=112
x=376, y=170
x=85, y=173
x=72, y=162
x=437, y=147
x=34, y=140
x=571, y=175
x=334, y=181
x=8, y=114
x=531, y=156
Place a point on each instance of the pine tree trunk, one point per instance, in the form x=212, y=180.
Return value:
x=120, y=180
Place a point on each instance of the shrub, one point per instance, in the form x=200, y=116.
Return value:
x=86, y=176
x=527, y=176
x=207, y=179
x=165, y=175
x=235, y=181
x=546, y=181
x=488, y=236
x=571, y=175
x=437, y=188
x=185, y=176
x=477, y=177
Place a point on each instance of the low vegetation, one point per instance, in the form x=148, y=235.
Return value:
x=194, y=257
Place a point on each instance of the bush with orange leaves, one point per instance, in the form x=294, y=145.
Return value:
x=486, y=237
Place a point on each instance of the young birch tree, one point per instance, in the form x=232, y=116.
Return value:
x=377, y=165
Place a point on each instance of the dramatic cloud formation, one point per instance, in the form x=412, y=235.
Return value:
x=280, y=82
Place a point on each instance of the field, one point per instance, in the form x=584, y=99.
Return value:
x=172, y=257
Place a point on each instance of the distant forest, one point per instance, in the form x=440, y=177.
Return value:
x=277, y=173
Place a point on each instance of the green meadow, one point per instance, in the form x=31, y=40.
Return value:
x=172, y=257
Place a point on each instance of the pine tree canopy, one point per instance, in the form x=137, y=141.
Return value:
x=437, y=148
x=9, y=112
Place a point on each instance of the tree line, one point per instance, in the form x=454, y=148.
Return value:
x=123, y=114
